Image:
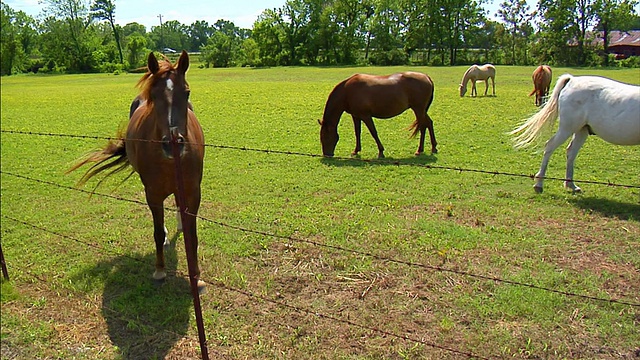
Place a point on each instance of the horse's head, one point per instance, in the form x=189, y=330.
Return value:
x=463, y=90
x=167, y=92
x=328, y=137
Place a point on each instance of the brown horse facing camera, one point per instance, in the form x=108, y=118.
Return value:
x=369, y=96
x=159, y=116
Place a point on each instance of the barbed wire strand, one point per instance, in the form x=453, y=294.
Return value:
x=420, y=265
x=354, y=251
x=254, y=296
x=355, y=159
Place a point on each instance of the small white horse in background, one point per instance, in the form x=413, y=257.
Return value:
x=586, y=105
x=475, y=73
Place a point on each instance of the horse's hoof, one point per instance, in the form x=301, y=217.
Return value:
x=418, y=153
x=434, y=151
x=538, y=189
x=202, y=287
x=159, y=275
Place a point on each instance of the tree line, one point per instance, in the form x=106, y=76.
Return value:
x=82, y=36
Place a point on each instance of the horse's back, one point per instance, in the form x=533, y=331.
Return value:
x=610, y=108
x=389, y=95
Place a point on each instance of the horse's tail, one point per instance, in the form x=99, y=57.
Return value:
x=114, y=155
x=530, y=130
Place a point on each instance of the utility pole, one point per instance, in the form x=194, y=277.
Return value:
x=161, y=34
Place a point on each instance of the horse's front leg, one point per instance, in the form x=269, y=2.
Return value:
x=374, y=133
x=474, y=91
x=576, y=143
x=191, y=234
x=159, y=235
x=357, y=127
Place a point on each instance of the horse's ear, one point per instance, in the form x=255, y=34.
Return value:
x=152, y=63
x=183, y=62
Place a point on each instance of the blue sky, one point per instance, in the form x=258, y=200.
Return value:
x=243, y=13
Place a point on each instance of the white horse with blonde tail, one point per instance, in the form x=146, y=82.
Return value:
x=586, y=105
x=481, y=73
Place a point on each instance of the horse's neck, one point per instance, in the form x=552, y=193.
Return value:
x=467, y=76
x=335, y=105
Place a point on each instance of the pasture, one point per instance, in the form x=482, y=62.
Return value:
x=307, y=257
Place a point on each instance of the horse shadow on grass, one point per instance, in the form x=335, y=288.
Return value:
x=609, y=208
x=145, y=319
x=357, y=161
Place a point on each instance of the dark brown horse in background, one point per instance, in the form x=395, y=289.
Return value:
x=369, y=96
x=541, y=83
x=160, y=116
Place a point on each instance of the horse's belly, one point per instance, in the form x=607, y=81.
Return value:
x=624, y=134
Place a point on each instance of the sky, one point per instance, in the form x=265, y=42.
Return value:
x=243, y=13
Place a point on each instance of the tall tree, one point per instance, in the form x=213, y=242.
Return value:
x=516, y=16
x=18, y=40
x=106, y=10
x=69, y=23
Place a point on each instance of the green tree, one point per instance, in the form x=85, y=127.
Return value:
x=106, y=10
x=19, y=40
x=199, y=32
x=268, y=35
x=69, y=39
x=388, y=23
x=516, y=17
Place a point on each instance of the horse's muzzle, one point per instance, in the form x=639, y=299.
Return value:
x=167, y=145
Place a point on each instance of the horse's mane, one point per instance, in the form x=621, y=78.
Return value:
x=337, y=91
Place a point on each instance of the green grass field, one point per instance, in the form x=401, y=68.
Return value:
x=81, y=266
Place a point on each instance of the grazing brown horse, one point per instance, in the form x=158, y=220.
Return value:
x=368, y=96
x=541, y=82
x=160, y=116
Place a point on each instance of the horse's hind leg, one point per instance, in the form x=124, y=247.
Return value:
x=357, y=127
x=374, y=133
x=551, y=145
x=572, y=152
x=427, y=125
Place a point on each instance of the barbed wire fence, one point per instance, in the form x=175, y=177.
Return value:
x=354, y=159
x=256, y=297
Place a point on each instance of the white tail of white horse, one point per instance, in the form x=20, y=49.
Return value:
x=532, y=128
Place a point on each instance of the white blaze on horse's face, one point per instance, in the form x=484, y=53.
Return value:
x=169, y=98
